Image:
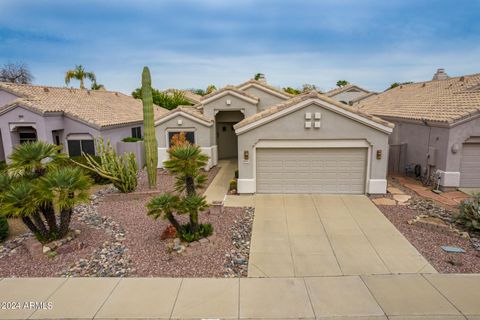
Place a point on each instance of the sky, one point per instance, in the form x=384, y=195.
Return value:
x=194, y=43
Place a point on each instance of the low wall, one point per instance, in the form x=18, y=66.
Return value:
x=137, y=148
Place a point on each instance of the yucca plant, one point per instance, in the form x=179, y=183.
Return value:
x=42, y=193
x=185, y=164
x=122, y=170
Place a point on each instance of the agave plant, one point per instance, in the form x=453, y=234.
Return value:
x=41, y=191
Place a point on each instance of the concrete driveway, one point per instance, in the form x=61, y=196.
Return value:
x=326, y=235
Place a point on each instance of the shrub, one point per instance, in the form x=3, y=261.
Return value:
x=3, y=166
x=97, y=179
x=236, y=174
x=131, y=139
x=3, y=228
x=122, y=170
x=232, y=185
x=469, y=215
x=202, y=231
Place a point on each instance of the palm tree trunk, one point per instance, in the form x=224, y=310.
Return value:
x=174, y=222
x=193, y=222
x=49, y=214
x=81, y=84
x=30, y=225
x=43, y=231
x=190, y=186
x=65, y=218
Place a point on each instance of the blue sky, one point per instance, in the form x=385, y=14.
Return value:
x=193, y=43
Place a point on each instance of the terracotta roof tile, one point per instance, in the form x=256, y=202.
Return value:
x=446, y=100
x=97, y=107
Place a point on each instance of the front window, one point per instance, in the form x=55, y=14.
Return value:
x=27, y=137
x=78, y=147
x=189, y=136
x=137, y=132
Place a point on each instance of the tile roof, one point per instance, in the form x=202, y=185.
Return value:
x=189, y=95
x=445, y=101
x=342, y=89
x=191, y=110
x=265, y=85
x=97, y=107
x=302, y=97
x=229, y=88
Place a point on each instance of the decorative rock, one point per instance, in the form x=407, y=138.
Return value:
x=394, y=190
x=401, y=198
x=384, y=202
x=46, y=249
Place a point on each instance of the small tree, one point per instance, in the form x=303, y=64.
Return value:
x=342, y=83
x=185, y=164
x=39, y=189
x=79, y=74
x=16, y=73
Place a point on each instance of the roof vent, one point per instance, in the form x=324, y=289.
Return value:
x=45, y=89
x=440, y=75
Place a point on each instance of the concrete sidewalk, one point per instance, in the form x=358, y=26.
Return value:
x=414, y=296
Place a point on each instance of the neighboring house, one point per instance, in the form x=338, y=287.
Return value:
x=72, y=118
x=437, y=125
x=349, y=94
x=190, y=96
x=309, y=143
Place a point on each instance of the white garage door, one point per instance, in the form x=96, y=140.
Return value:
x=321, y=170
x=470, y=165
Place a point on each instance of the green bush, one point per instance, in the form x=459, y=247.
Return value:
x=236, y=174
x=98, y=179
x=232, y=185
x=203, y=231
x=131, y=139
x=3, y=228
x=469, y=215
x=3, y=166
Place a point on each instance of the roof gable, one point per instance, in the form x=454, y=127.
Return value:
x=226, y=91
x=264, y=87
x=187, y=112
x=305, y=100
x=347, y=88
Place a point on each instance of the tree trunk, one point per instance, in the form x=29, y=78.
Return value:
x=190, y=186
x=173, y=222
x=65, y=217
x=49, y=214
x=193, y=222
x=31, y=226
x=43, y=231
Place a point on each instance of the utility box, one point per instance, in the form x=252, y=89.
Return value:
x=432, y=156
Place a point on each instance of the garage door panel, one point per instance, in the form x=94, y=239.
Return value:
x=319, y=170
x=470, y=166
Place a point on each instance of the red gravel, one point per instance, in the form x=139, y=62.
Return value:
x=428, y=242
x=149, y=254
x=24, y=264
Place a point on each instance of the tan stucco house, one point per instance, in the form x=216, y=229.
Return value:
x=308, y=143
x=437, y=126
x=72, y=118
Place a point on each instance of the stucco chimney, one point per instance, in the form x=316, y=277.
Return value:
x=440, y=75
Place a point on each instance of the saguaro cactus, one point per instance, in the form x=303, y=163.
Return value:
x=151, y=148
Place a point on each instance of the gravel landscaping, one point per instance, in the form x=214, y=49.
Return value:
x=429, y=237
x=115, y=238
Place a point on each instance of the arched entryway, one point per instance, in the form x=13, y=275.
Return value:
x=226, y=137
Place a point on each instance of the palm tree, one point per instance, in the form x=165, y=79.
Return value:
x=42, y=192
x=211, y=88
x=79, y=74
x=342, y=83
x=97, y=86
x=164, y=206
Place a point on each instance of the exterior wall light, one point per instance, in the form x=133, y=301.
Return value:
x=379, y=154
x=246, y=156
